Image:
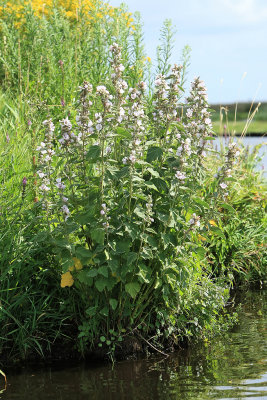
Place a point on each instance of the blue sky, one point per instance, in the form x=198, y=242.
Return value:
x=228, y=39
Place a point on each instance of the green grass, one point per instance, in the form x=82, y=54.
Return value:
x=232, y=128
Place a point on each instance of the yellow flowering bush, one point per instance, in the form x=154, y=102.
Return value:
x=73, y=10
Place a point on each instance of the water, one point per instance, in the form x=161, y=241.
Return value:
x=251, y=142
x=233, y=367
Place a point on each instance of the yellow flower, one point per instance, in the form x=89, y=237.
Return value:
x=212, y=222
x=66, y=280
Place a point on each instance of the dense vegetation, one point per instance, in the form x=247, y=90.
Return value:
x=118, y=218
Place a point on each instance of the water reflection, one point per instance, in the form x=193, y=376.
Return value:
x=231, y=368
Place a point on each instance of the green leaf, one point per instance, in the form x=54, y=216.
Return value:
x=160, y=184
x=98, y=235
x=113, y=303
x=102, y=339
x=103, y=271
x=153, y=172
x=217, y=231
x=66, y=264
x=131, y=258
x=83, y=277
x=92, y=273
x=100, y=284
x=132, y=288
x=228, y=207
x=154, y=153
x=201, y=202
x=140, y=212
x=104, y=311
x=151, y=185
x=93, y=153
x=123, y=133
x=123, y=246
x=122, y=172
x=91, y=311
x=83, y=254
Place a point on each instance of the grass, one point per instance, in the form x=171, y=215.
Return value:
x=256, y=127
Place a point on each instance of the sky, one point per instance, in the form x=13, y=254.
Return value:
x=228, y=39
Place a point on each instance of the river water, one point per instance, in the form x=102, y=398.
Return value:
x=230, y=367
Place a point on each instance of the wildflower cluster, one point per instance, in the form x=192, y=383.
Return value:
x=83, y=116
x=46, y=153
x=226, y=170
x=68, y=137
x=119, y=83
x=198, y=126
x=136, y=121
x=166, y=97
x=64, y=208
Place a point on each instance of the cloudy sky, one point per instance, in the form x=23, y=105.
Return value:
x=228, y=39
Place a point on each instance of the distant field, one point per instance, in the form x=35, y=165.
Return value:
x=229, y=112
x=255, y=127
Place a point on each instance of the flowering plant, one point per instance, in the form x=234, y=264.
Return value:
x=121, y=190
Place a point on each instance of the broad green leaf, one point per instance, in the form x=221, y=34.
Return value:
x=153, y=172
x=203, y=203
x=123, y=133
x=154, y=153
x=83, y=254
x=93, y=153
x=84, y=277
x=123, y=246
x=103, y=271
x=122, y=172
x=104, y=311
x=91, y=311
x=92, y=273
x=140, y=212
x=113, y=303
x=67, y=263
x=100, y=284
x=151, y=185
x=132, y=288
x=98, y=235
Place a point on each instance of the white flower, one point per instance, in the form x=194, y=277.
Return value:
x=41, y=174
x=180, y=175
x=189, y=113
x=98, y=127
x=223, y=185
x=44, y=188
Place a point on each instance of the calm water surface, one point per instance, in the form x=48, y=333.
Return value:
x=233, y=367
